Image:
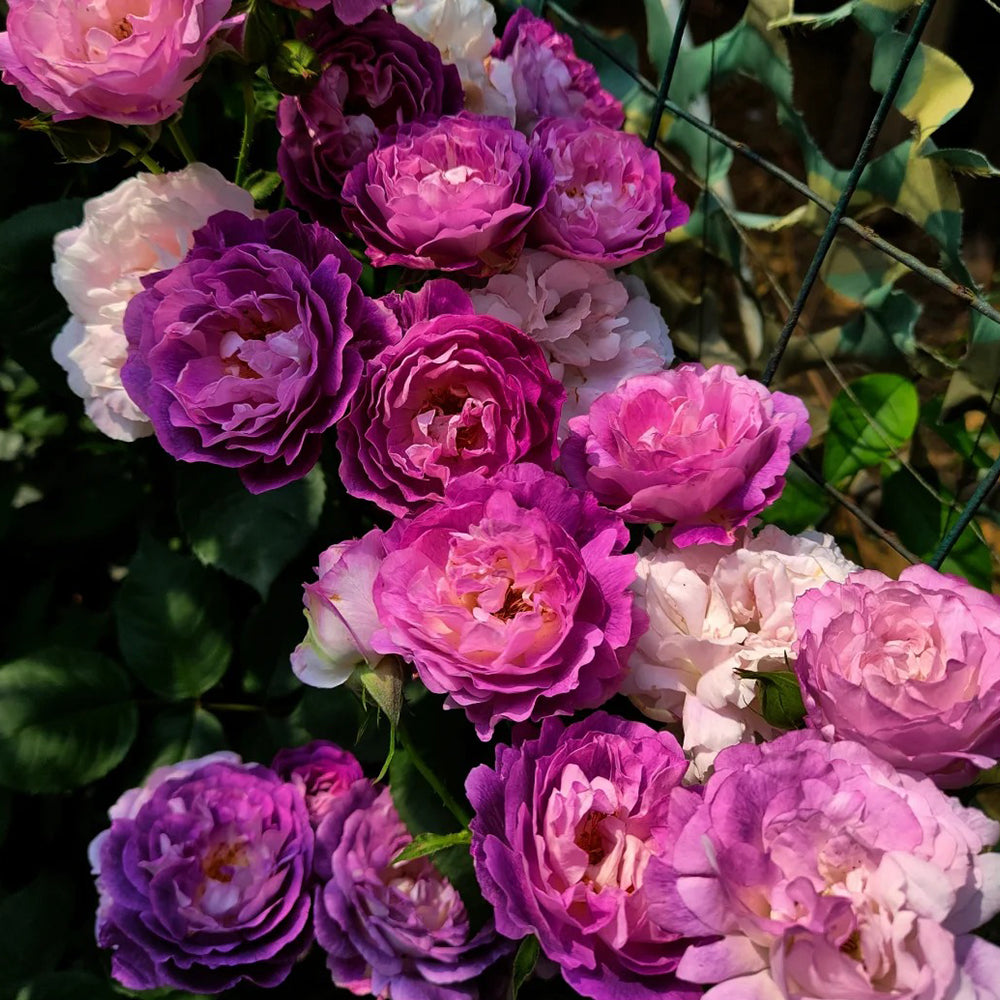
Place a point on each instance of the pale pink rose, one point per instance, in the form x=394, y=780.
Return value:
x=909, y=667
x=142, y=225
x=120, y=61
x=596, y=329
x=341, y=612
x=713, y=610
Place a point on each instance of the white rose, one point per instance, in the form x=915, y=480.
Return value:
x=714, y=610
x=596, y=329
x=142, y=225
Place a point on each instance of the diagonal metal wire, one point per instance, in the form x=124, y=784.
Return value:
x=850, y=186
x=838, y=218
x=932, y=274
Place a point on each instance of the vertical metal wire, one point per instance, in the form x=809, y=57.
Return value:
x=864, y=154
x=668, y=72
x=968, y=512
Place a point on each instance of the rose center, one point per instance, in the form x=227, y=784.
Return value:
x=122, y=29
x=513, y=604
x=588, y=837
x=222, y=860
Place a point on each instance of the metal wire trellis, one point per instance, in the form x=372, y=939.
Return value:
x=838, y=219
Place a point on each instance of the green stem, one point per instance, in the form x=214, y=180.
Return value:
x=249, y=112
x=182, y=143
x=449, y=801
x=231, y=706
x=144, y=158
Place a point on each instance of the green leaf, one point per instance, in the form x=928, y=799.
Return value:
x=262, y=184
x=422, y=810
x=68, y=986
x=251, y=537
x=383, y=683
x=172, y=623
x=35, y=923
x=909, y=509
x=66, y=718
x=780, y=697
x=524, y=963
x=32, y=310
x=184, y=734
x=425, y=844
x=803, y=504
x=872, y=429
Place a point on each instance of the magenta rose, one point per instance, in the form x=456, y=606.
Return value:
x=376, y=75
x=248, y=350
x=322, y=771
x=610, y=201
x=392, y=929
x=511, y=597
x=821, y=872
x=347, y=11
x=130, y=64
x=701, y=450
x=459, y=393
x=910, y=668
x=547, y=78
x=565, y=827
x=455, y=194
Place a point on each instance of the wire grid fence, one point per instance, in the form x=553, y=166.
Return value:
x=838, y=219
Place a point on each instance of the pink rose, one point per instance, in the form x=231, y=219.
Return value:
x=596, y=329
x=130, y=64
x=910, y=668
x=714, y=610
x=340, y=612
x=701, y=450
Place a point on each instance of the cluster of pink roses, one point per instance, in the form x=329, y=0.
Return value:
x=513, y=415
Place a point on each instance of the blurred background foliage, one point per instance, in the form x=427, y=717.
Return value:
x=152, y=606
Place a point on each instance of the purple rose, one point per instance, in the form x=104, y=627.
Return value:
x=821, y=872
x=395, y=930
x=453, y=194
x=376, y=75
x=547, y=78
x=909, y=668
x=565, y=827
x=511, y=597
x=322, y=770
x=203, y=878
x=459, y=393
x=248, y=350
x=347, y=11
x=125, y=63
x=701, y=450
x=610, y=202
